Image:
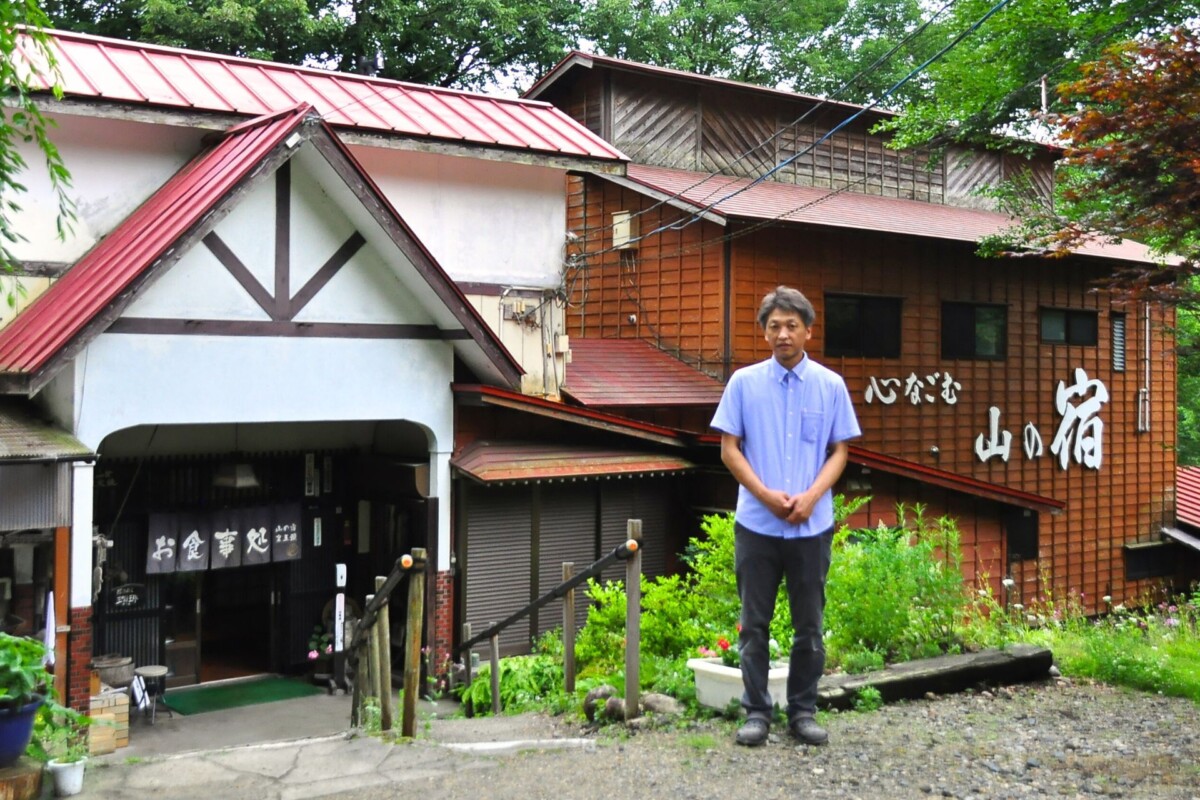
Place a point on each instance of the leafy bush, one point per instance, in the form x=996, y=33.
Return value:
x=895, y=593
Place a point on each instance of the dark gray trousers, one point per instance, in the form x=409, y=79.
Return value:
x=760, y=563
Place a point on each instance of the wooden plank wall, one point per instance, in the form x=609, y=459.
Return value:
x=673, y=284
x=670, y=283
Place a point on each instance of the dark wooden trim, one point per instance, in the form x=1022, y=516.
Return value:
x=422, y=261
x=188, y=240
x=283, y=240
x=15, y=384
x=282, y=328
x=241, y=274
x=41, y=269
x=330, y=268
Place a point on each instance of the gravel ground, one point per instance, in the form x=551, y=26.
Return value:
x=1052, y=739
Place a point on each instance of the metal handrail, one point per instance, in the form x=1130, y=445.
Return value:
x=619, y=553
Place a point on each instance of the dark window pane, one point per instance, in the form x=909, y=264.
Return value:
x=1054, y=325
x=1082, y=327
x=881, y=327
x=842, y=330
x=990, y=331
x=958, y=330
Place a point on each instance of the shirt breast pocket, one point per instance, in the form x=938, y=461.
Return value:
x=811, y=425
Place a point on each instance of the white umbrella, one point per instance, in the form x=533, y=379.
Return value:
x=51, y=629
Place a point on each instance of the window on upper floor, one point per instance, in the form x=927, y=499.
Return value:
x=862, y=325
x=1068, y=326
x=1118, y=342
x=974, y=331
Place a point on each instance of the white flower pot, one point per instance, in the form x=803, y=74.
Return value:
x=67, y=775
x=717, y=684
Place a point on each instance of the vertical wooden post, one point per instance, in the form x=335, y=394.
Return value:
x=495, y=673
x=356, y=692
x=373, y=654
x=384, y=656
x=568, y=572
x=633, y=618
x=412, y=646
x=466, y=637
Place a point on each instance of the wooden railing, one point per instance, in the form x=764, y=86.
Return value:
x=369, y=653
x=630, y=552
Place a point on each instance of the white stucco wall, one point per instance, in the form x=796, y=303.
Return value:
x=485, y=221
x=114, y=164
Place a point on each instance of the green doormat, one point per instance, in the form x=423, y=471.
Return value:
x=239, y=693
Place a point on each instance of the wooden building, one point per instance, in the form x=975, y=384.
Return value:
x=1010, y=394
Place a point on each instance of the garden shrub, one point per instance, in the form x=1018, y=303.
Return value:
x=895, y=593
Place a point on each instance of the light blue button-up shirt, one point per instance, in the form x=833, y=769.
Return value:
x=787, y=420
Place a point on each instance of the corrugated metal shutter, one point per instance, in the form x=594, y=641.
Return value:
x=35, y=496
x=567, y=533
x=647, y=500
x=499, y=523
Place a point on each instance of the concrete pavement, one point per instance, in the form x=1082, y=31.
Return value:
x=303, y=748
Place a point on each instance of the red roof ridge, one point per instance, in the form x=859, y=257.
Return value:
x=130, y=44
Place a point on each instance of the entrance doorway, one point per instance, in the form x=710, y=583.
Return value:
x=221, y=624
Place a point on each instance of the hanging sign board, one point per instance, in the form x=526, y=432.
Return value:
x=223, y=539
x=160, y=555
x=226, y=540
x=195, y=531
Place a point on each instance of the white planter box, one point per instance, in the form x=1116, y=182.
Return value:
x=717, y=684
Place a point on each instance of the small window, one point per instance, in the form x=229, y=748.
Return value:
x=974, y=331
x=1069, y=326
x=1118, y=342
x=856, y=325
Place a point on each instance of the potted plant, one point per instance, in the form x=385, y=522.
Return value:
x=60, y=739
x=24, y=683
x=320, y=653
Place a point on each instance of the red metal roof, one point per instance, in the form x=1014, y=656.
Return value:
x=953, y=480
x=769, y=200
x=132, y=72
x=493, y=462
x=108, y=269
x=1187, y=495
x=633, y=372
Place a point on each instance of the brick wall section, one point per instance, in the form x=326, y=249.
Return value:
x=443, y=629
x=80, y=657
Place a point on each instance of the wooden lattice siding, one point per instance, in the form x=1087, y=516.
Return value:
x=670, y=283
x=857, y=161
x=968, y=173
x=652, y=128
x=737, y=138
x=675, y=283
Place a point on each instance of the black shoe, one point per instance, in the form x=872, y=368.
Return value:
x=753, y=733
x=808, y=731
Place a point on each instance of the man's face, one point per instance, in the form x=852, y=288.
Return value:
x=786, y=334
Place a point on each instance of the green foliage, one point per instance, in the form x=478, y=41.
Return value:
x=1187, y=350
x=868, y=698
x=22, y=673
x=525, y=683
x=894, y=594
x=22, y=122
x=59, y=733
x=991, y=81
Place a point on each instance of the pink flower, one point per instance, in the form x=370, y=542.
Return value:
x=328, y=649
x=312, y=655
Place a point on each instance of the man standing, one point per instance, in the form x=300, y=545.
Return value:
x=784, y=424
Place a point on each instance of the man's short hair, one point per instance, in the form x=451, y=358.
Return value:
x=785, y=298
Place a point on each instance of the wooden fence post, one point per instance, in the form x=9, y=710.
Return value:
x=356, y=692
x=495, y=674
x=384, y=657
x=568, y=572
x=412, y=645
x=466, y=637
x=373, y=654
x=633, y=617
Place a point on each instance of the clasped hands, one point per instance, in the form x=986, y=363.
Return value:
x=792, y=508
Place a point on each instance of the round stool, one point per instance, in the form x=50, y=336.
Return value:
x=154, y=675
